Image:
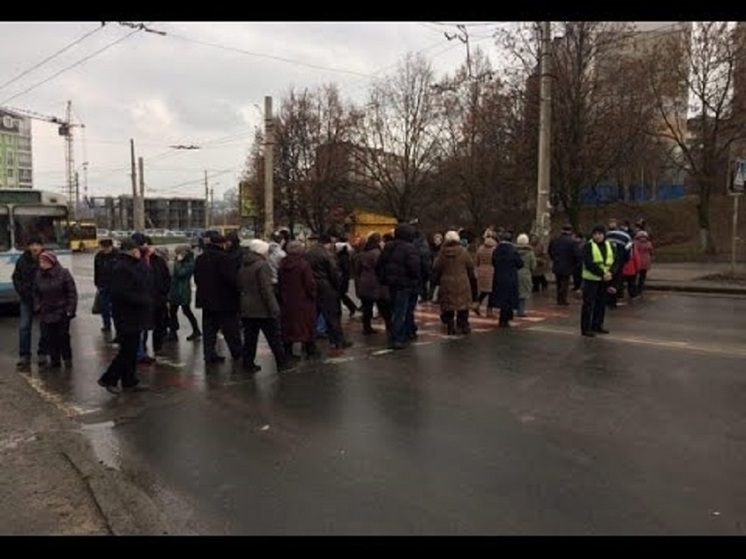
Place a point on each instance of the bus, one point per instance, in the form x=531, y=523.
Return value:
x=83, y=236
x=26, y=213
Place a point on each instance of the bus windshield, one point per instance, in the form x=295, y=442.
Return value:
x=4, y=229
x=47, y=222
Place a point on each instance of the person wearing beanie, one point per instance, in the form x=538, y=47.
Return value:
x=506, y=262
x=399, y=268
x=24, y=276
x=485, y=272
x=215, y=273
x=55, y=302
x=598, y=262
x=260, y=310
x=131, y=310
x=298, y=301
x=453, y=273
x=526, y=273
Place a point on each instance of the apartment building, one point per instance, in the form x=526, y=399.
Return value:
x=15, y=151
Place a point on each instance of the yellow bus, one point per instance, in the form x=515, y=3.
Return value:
x=83, y=236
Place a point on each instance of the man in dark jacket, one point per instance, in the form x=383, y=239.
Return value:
x=399, y=268
x=131, y=308
x=564, y=253
x=24, y=276
x=215, y=274
x=328, y=287
x=103, y=263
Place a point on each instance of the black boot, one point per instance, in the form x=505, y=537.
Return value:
x=309, y=350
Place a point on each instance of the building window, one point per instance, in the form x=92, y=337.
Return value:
x=24, y=144
x=10, y=158
x=24, y=159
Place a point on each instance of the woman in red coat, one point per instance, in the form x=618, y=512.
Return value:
x=298, y=300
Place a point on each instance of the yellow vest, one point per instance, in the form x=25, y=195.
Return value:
x=598, y=259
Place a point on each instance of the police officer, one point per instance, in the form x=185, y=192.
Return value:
x=598, y=261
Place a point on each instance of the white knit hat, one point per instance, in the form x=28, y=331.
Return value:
x=259, y=246
x=452, y=236
x=522, y=240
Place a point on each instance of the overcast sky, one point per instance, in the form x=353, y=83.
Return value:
x=192, y=86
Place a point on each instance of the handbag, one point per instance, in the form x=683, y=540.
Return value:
x=96, y=309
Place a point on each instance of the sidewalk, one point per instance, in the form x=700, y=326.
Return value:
x=689, y=277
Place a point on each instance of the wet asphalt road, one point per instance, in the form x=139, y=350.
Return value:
x=533, y=430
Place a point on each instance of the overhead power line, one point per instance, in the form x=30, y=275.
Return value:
x=78, y=63
x=265, y=55
x=52, y=56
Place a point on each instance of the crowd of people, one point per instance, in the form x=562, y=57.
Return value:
x=292, y=292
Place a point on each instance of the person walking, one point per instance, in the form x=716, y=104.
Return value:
x=621, y=241
x=215, y=273
x=369, y=289
x=297, y=301
x=55, y=302
x=180, y=293
x=598, y=263
x=485, y=272
x=326, y=274
x=564, y=254
x=453, y=273
x=343, y=251
x=539, y=282
x=260, y=311
x=506, y=262
x=130, y=309
x=24, y=276
x=399, y=269
x=103, y=263
x=525, y=273
x=643, y=246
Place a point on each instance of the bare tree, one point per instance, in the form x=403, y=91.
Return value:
x=398, y=140
x=480, y=142
x=701, y=67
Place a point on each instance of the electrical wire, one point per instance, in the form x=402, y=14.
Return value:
x=78, y=63
x=52, y=56
x=265, y=55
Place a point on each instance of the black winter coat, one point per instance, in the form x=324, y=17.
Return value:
x=215, y=274
x=400, y=264
x=103, y=264
x=325, y=273
x=130, y=296
x=565, y=254
x=506, y=261
x=55, y=294
x=24, y=276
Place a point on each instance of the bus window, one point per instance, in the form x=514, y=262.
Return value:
x=47, y=222
x=4, y=229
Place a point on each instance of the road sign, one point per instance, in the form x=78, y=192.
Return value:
x=738, y=177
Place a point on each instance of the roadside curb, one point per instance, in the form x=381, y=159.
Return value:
x=688, y=288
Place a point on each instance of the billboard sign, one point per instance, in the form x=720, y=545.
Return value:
x=9, y=122
x=737, y=177
x=246, y=201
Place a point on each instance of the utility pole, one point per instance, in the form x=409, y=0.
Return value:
x=269, y=206
x=135, y=220
x=141, y=197
x=208, y=217
x=542, y=224
x=212, y=202
x=77, y=197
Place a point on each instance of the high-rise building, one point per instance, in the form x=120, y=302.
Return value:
x=15, y=151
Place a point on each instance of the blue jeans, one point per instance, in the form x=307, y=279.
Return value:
x=401, y=318
x=320, y=325
x=26, y=322
x=105, y=300
x=142, y=347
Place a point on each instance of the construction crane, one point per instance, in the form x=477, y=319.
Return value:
x=65, y=130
